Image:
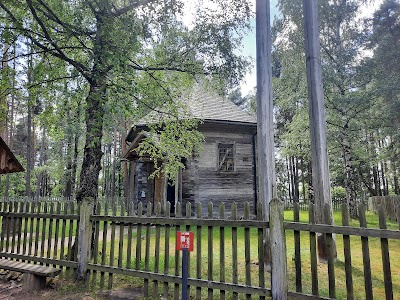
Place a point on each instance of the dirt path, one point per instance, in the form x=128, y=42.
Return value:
x=62, y=290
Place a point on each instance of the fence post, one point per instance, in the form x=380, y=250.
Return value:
x=279, y=285
x=84, y=239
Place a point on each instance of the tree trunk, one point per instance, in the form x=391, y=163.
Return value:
x=68, y=171
x=29, y=162
x=76, y=150
x=296, y=193
x=288, y=164
x=125, y=163
x=349, y=175
x=303, y=180
x=11, y=122
x=91, y=165
x=385, y=178
x=4, y=92
x=40, y=187
x=114, y=166
x=310, y=184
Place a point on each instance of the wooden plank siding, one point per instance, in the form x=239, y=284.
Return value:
x=218, y=186
x=202, y=181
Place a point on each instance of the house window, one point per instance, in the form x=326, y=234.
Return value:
x=225, y=158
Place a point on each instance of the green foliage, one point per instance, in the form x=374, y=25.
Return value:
x=169, y=142
x=126, y=59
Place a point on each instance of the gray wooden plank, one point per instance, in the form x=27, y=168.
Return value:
x=347, y=254
x=366, y=256
x=387, y=274
x=28, y=268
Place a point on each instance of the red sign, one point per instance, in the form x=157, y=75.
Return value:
x=184, y=240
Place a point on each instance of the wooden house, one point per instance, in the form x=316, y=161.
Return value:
x=224, y=171
x=8, y=162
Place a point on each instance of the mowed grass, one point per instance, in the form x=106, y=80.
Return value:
x=213, y=265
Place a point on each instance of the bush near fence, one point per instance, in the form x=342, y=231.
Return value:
x=228, y=260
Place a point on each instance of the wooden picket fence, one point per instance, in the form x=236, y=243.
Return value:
x=336, y=204
x=228, y=259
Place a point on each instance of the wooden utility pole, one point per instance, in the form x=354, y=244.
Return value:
x=319, y=154
x=265, y=122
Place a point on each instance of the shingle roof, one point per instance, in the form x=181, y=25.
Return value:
x=207, y=105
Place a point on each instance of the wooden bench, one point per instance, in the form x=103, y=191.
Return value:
x=34, y=275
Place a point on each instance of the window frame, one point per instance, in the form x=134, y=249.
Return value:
x=230, y=145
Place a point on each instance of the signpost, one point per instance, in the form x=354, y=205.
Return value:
x=184, y=243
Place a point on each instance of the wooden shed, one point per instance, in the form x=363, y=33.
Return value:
x=225, y=170
x=8, y=162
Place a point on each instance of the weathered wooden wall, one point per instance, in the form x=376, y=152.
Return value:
x=203, y=182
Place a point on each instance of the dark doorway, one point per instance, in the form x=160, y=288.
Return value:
x=171, y=197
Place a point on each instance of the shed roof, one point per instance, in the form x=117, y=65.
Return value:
x=8, y=162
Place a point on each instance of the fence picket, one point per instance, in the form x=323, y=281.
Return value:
x=198, y=249
x=347, y=253
x=121, y=237
x=104, y=246
x=50, y=231
x=210, y=251
x=387, y=274
x=331, y=256
x=43, y=236
x=247, y=247
x=279, y=286
x=96, y=243
x=8, y=221
x=260, y=234
x=20, y=227
x=234, y=250
x=157, y=250
x=188, y=215
x=178, y=214
x=147, y=250
x=71, y=252
x=129, y=242
x=112, y=246
x=3, y=207
x=166, y=249
x=313, y=252
x=222, y=250
x=366, y=257
x=25, y=236
x=297, y=254
x=31, y=225
x=56, y=236
x=139, y=238
x=63, y=230
x=15, y=230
